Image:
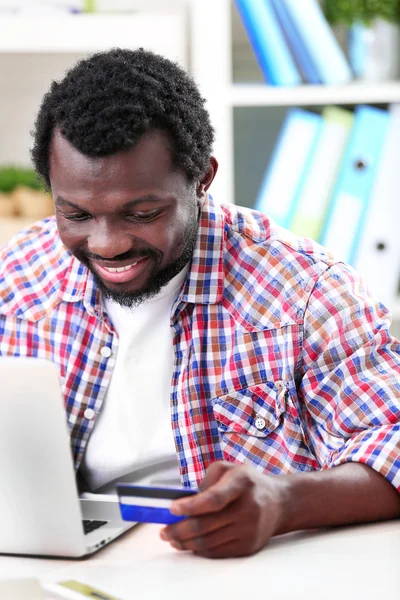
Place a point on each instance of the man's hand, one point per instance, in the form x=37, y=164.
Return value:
x=235, y=514
x=239, y=509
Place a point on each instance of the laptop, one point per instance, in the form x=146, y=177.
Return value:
x=41, y=513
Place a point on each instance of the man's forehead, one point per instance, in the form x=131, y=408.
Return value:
x=151, y=155
x=63, y=155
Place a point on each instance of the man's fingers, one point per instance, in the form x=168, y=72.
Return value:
x=234, y=516
x=206, y=543
x=198, y=526
x=232, y=484
x=214, y=473
x=231, y=549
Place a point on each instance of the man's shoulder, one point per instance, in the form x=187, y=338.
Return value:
x=270, y=272
x=38, y=243
x=33, y=265
x=257, y=227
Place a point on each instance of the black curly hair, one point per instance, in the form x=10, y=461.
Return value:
x=106, y=102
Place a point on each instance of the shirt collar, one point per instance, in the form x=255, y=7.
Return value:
x=80, y=285
x=205, y=281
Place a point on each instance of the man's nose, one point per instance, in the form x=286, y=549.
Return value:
x=108, y=241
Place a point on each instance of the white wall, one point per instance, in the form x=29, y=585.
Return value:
x=24, y=80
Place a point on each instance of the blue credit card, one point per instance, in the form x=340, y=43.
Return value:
x=148, y=504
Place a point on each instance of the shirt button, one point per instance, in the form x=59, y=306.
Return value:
x=260, y=423
x=89, y=414
x=279, y=384
x=106, y=351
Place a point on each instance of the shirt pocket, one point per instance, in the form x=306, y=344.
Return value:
x=260, y=426
x=254, y=411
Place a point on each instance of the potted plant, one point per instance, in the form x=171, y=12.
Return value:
x=373, y=35
x=22, y=194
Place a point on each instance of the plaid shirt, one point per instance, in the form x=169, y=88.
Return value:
x=282, y=360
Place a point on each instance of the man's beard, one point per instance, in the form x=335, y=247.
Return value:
x=157, y=278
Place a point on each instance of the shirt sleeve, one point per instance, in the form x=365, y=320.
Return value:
x=349, y=383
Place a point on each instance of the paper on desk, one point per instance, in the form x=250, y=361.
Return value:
x=21, y=589
x=72, y=590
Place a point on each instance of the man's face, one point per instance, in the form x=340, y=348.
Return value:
x=130, y=217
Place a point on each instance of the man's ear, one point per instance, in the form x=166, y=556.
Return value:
x=207, y=178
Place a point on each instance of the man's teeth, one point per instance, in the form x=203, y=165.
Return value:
x=120, y=269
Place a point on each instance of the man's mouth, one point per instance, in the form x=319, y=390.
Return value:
x=119, y=269
x=121, y=274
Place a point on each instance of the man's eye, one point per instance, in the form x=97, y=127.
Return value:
x=77, y=217
x=145, y=216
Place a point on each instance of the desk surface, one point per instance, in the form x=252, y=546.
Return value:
x=355, y=562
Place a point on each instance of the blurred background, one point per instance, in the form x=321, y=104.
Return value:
x=271, y=71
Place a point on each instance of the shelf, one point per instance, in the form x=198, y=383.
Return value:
x=92, y=33
x=354, y=93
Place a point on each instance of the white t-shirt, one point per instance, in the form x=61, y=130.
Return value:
x=134, y=431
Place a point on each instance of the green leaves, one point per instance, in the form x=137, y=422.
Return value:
x=11, y=177
x=348, y=12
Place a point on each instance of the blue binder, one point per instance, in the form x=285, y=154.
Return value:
x=295, y=41
x=267, y=40
x=356, y=49
x=319, y=42
x=378, y=253
x=348, y=206
x=289, y=164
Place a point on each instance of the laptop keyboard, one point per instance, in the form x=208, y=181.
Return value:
x=89, y=525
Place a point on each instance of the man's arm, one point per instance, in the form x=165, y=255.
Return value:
x=239, y=509
x=350, y=493
x=348, y=378
x=349, y=384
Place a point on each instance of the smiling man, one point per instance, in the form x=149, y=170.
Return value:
x=100, y=203
x=196, y=335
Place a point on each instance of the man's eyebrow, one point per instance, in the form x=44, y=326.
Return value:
x=146, y=198
x=60, y=201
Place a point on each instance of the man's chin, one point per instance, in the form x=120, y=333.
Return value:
x=123, y=294
x=156, y=281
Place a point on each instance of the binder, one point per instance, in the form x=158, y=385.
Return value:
x=289, y=163
x=295, y=42
x=356, y=49
x=267, y=40
x=319, y=181
x=378, y=255
x=349, y=203
x=318, y=39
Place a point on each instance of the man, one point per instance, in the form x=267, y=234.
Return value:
x=168, y=312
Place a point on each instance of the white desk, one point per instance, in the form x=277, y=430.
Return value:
x=355, y=562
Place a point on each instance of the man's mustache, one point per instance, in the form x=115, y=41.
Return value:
x=88, y=256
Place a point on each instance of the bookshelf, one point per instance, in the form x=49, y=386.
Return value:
x=312, y=95
x=247, y=116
